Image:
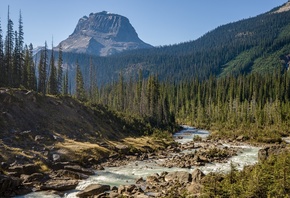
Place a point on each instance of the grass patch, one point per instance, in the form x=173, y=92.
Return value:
x=81, y=151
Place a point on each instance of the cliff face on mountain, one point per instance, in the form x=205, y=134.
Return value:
x=103, y=34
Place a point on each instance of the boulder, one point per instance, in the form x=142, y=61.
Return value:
x=123, y=149
x=180, y=176
x=241, y=138
x=121, y=189
x=130, y=188
x=11, y=186
x=59, y=165
x=38, y=138
x=27, y=169
x=56, y=157
x=264, y=153
x=71, y=174
x=79, y=169
x=35, y=177
x=139, y=180
x=197, y=175
x=8, y=183
x=93, y=189
x=152, y=179
x=59, y=185
x=113, y=194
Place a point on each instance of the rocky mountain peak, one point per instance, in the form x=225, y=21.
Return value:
x=103, y=34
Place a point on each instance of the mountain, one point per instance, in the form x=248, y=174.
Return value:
x=258, y=44
x=103, y=34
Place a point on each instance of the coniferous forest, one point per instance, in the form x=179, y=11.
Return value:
x=222, y=91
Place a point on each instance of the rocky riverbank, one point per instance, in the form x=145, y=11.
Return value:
x=62, y=176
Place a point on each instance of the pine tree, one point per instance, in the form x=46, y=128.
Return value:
x=80, y=91
x=120, y=93
x=2, y=67
x=53, y=86
x=59, y=69
x=26, y=70
x=93, y=88
x=9, y=46
x=65, y=83
x=20, y=48
x=32, y=81
x=42, y=71
x=16, y=71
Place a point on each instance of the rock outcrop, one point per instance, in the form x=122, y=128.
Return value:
x=103, y=34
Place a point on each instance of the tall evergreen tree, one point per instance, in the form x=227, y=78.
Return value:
x=2, y=67
x=32, y=76
x=9, y=46
x=65, y=83
x=53, y=86
x=120, y=93
x=26, y=70
x=93, y=88
x=80, y=90
x=20, y=47
x=16, y=71
x=59, y=70
x=42, y=74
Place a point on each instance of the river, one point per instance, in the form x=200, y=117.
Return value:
x=128, y=174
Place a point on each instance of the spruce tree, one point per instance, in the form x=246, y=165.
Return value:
x=53, y=86
x=59, y=70
x=26, y=69
x=42, y=73
x=80, y=90
x=32, y=75
x=2, y=67
x=93, y=89
x=16, y=71
x=120, y=93
x=8, y=56
x=65, y=83
x=20, y=47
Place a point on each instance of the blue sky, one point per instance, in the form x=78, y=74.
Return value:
x=157, y=22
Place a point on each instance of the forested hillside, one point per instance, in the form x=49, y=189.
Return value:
x=258, y=44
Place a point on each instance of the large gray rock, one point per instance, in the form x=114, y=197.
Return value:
x=180, y=176
x=93, y=189
x=59, y=185
x=79, y=169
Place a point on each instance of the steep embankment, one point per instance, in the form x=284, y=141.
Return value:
x=46, y=128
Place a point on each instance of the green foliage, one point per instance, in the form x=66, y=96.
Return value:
x=266, y=179
x=197, y=138
x=160, y=134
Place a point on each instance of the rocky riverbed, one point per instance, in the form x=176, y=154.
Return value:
x=178, y=169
